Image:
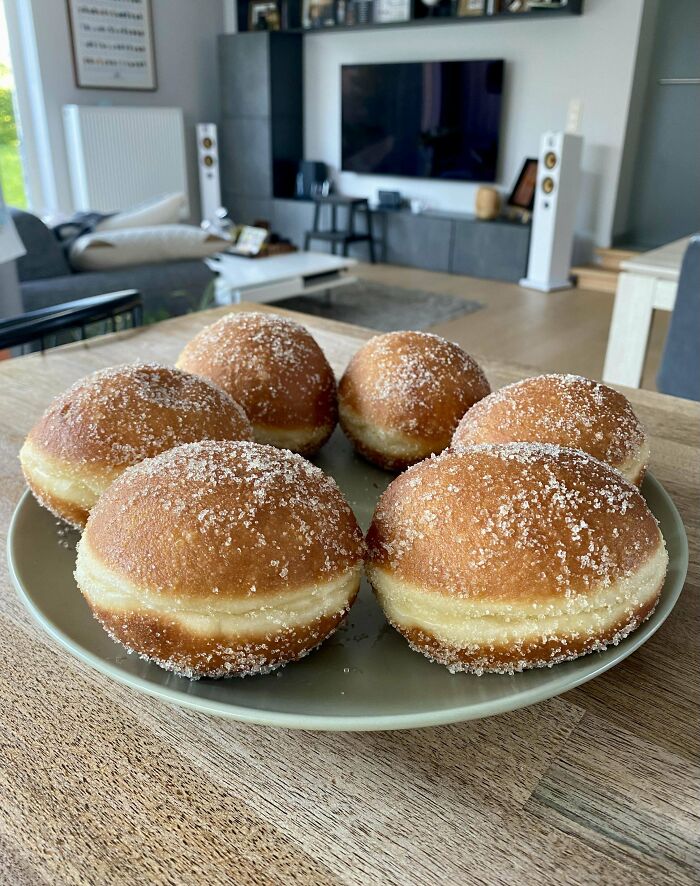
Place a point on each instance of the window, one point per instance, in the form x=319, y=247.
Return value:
x=12, y=173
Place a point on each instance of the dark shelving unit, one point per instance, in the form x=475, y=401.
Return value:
x=421, y=16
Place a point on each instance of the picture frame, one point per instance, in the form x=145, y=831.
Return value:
x=318, y=14
x=391, y=11
x=112, y=44
x=523, y=194
x=263, y=15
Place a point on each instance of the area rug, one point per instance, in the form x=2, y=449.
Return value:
x=382, y=307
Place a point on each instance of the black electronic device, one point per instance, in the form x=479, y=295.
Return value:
x=423, y=119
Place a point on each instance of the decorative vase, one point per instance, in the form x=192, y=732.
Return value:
x=488, y=203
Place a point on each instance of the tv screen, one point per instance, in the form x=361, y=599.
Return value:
x=423, y=119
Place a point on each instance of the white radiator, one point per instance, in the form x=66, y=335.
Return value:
x=119, y=157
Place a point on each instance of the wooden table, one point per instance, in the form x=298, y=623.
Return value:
x=102, y=785
x=648, y=283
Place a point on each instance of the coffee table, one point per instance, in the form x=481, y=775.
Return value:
x=279, y=276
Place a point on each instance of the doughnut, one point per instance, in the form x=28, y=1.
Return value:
x=221, y=559
x=276, y=371
x=511, y=556
x=564, y=409
x=403, y=394
x=113, y=419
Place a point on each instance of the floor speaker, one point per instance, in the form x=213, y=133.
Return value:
x=554, y=212
x=208, y=161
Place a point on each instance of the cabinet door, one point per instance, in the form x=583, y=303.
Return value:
x=246, y=162
x=244, y=75
x=419, y=241
x=491, y=250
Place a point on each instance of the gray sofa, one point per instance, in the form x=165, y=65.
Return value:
x=46, y=278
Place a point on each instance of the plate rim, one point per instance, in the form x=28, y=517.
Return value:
x=366, y=722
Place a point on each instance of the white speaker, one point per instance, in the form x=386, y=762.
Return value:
x=554, y=212
x=208, y=160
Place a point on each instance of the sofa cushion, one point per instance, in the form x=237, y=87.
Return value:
x=167, y=290
x=104, y=250
x=44, y=257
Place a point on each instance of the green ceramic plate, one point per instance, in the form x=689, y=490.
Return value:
x=365, y=677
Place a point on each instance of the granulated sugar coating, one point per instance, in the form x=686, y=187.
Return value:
x=221, y=559
x=521, y=521
x=413, y=382
x=121, y=415
x=568, y=410
x=403, y=394
x=225, y=519
x=511, y=556
x=273, y=367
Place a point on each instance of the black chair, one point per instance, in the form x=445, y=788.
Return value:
x=38, y=325
x=341, y=236
x=679, y=374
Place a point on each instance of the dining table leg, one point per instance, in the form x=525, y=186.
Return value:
x=629, y=330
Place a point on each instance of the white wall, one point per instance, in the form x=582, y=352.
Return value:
x=185, y=33
x=549, y=62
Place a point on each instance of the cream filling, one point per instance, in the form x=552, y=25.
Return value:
x=58, y=479
x=256, y=615
x=471, y=623
x=386, y=441
x=631, y=467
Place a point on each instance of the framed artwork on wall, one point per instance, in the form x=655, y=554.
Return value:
x=112, y=43
x=523, y=194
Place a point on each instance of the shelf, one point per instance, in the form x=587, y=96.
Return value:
x=573, y=7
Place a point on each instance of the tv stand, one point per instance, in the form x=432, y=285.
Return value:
x=455, y=243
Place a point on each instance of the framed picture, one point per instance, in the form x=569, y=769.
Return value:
x=263, y=15
x=318, y=14
x=387, y=11
x=112, y=43
x=523, y=194
x=471, y=7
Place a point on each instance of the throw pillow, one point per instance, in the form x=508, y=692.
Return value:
x=164, y=210
x=103, y=250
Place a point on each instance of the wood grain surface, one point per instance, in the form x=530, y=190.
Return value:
x=101, y=785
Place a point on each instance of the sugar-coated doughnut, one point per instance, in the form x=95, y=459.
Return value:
x=113, y=419
x=218, y=559
x=276, y=371
x=403, y=394
x=511, y=556
x=564, y=409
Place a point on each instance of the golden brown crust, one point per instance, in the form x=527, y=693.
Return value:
x=274, y=368
x=233, y=519
x=567, y=410
x=539, y=653
x=414, y=385
x=517, y=522
x=117, y=417
x=166, y=643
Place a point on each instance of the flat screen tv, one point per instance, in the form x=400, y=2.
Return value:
x=423, y=119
